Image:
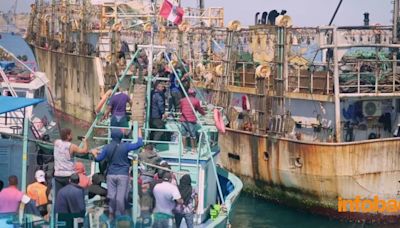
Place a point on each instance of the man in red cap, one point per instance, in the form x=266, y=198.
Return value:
x=188, y=118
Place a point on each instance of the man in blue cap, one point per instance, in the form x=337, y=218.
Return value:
x=116, y=154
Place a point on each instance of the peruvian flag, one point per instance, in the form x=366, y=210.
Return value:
x=171, y=12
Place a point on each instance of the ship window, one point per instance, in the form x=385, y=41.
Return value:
x=298, y=162
x=266, y=156
x=234, y=156
x=21, y=93
x=39, y=93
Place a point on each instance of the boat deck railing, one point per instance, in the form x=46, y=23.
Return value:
x=357, y=77
x=204, y=145
x=12, y=122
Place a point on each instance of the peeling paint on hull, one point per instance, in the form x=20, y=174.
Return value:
x=312, y=176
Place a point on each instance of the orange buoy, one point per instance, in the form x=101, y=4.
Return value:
x=219, y=122
x=103, y=100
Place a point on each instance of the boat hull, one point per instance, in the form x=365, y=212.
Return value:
x=312, y=176
x=76, y=82
x=230, y=199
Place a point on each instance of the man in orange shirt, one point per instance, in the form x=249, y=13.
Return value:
x=37, y=191
x=84, y=181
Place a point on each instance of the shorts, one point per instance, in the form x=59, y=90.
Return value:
x=188, y=129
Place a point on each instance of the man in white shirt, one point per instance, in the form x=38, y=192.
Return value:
x=167, y=196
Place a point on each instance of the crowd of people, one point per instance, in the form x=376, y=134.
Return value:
x=164, y=97
x=162, y=200
x=177, y=103
x=159, y=192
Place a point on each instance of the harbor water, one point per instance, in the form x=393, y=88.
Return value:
x=250, y=211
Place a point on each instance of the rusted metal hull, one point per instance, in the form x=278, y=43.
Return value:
x=313, y=175
x=75, y=81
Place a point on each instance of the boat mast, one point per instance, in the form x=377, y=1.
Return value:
x=334, y=40
x=395, y=20
x=82, y=33
x=200, y=4
x=53, y=18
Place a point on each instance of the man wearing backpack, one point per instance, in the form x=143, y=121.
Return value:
x=118, y=170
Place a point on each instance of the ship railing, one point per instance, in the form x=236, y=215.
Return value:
x=205, y=137
x=243, y=74
x=11, y=122
x=355, y=36
x=309, y=79
x=203, y=149
x=210, y=17
x=358, y=76
x=176, y=143
x=369, y=77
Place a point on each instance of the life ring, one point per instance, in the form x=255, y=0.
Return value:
x=263, y=71
x=109, y=58
x=63, y=19
x=219, y=122
x=284, y=21
x=103, y=100
x=234, y=26
x=219, y=70
x=200, y=68
x=184, y=26
x=147, y=27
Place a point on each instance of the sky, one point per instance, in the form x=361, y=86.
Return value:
x=350, y=13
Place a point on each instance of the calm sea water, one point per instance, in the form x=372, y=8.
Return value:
x=249, y=211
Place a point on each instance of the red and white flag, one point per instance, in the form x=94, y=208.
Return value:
x=171, y=12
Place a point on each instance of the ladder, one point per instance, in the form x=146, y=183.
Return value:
x=139, y=104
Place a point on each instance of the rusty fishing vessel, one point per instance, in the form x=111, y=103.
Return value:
x=312, y=111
